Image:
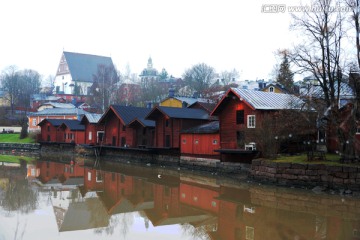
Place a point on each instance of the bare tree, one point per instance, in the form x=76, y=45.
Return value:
x=229, y=76
x=320, y=54
x=106, y=82
x=199, y=77
x=10, y=81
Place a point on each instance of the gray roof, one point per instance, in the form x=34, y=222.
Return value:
x=59, y=105
x=82, y=67
x=268, y=100
x=173, y=112
x=73, y=125
x=211, y=127
x=128, y=113
x=58, y=111
x=144, y=122
x=92, y=117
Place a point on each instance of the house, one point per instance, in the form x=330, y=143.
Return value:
x=37, y=99
x=71, y=131
x=201, y=141
x=49, y=130
x=52, y=113
x=116, y=122
x=129, y=92
x=274, y=87
x=144, y=131
x=248, y=116
x=94, y=132
x=76, y=70
x=170, y=121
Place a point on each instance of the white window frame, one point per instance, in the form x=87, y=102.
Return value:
x=251, y=121
x=271, y=89
x=90, y=136
x=34, y=121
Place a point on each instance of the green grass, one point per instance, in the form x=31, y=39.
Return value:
x=14, y=138
x=15, y=159
x=331, y=159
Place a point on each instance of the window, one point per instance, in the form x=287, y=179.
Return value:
x=48, y=128
x=271, y=89
x=123, y=128
x=34, y=122
x=251, y=121
x=89, y=176
x=240, y=117
x=167, y=123
x=213, y=204
x=249, y=233
x=90, y=136
x=215, y=142
x=98, y=176
x=184, y=141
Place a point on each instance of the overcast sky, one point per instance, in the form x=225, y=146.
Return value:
x=225, y=34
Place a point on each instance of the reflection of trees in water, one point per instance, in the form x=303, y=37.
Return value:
x=124, y=221
x=195, y=232
x=19, y=196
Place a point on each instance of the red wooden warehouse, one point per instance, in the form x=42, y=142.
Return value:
x=71, y=131
x=116, y=120
x=241, y=113
x=49, y=130
x=93, y=131
x=170, y=121
x=201, y=141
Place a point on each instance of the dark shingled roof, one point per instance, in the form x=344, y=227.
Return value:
x=74, y=125
x=211, y=127
x=173, y=112
x=83, y=66
x=54, y=122
x=127, y=113
x=144, y=122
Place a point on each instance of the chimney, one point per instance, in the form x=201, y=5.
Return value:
x=171, y=92
x=184, y=104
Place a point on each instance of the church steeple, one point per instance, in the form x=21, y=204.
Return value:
x=150, y=64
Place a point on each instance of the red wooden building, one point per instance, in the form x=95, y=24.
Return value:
x=93, y=131
x=144, y=130
x=71, y=131
x=201, y=141
x=49, y=130
x=241, y=112
x=170, y=121
x=116, y=122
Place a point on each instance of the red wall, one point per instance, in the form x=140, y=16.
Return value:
x=205, y=145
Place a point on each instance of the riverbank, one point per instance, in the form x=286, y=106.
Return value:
x=301, y=175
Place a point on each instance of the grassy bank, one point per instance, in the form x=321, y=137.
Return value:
x=14, y=138
x=15, y=159
x=331, y=159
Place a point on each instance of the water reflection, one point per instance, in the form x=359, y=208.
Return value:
x=134, y=202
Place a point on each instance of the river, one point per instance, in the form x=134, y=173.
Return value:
x=65, y=199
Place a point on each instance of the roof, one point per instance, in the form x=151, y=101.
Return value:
x=83, y=66
x=144, y=122
x=54, y=122
x=268, y=100
x=181, y=113
x=211, y=127
x=59, y=105
x=317, y=91
x=74, y=125
x=92, y=117
x=68, y=122
x=58, y=111
x=127, y=113
x=208, y=106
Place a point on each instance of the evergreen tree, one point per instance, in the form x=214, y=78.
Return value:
x=285, y=75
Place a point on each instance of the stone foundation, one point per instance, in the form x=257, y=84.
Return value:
x=309, y=175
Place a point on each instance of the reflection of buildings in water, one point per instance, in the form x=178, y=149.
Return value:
x=222, y=211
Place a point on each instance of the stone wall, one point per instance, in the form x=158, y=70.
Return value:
x=309, y=175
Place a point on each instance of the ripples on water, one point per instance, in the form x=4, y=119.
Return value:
x=67, y=200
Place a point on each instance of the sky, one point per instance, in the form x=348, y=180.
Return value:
x=224, y=34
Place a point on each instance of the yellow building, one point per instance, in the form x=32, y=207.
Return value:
x=275, y=88
x=178, y=102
